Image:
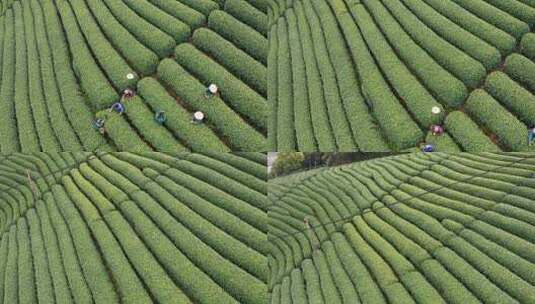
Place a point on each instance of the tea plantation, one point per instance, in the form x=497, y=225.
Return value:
x=133, y=228
x=376, y=75
x=130, y=74
x=411, y=228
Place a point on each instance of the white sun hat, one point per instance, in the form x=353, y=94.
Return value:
x=198, y=116
x=436, y=110
x=130, y=76
x=212, y=88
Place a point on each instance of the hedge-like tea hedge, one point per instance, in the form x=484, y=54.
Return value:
x=250, y=71
x=110, y=229
x=240, y=34
x=488, y=112
x=512, y=95
x=438, y=230
x=242, y=99
x=467, y=134
x=521, y=69
x=198, y=137
x=528, y=45
x=190, y=90
x=66, y=61
x=381, y=73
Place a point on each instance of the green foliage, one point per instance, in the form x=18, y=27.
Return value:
x=148, y=268
x=519, y=10
x=236, y=161
x=99, y=91
x=203, y=6
x=43, y=282
x=121, y=133
x=9, y=139
x=513, y=96
x=286, y=134
x=398, y=126
x=241, y=98
x=449, y=90
x=147, y=33
x=216, y=179
x=240, y=34
x=175, y=242
x=26, y=281
x=143, y=120
x=29, y=140
x=175, y=28
x=112, y=63
x=442, y=143
x=197, y=136
x=467, y=133
x=521, y=69
x=186, y=14
x=66, y=255
x=227, y=170
x=440, y=230
x=304, y=131
x=77, y=110
x=143, y=60
x=487, y=111
x=468, y=40
x=477, y=282
x=254, y=216
x=460, y=64
x=272, y=89
x=58, y=118
x=499, y=18
x=527, y=45
x=287, y=163
x=318, y=111
x=248, y=14
x=47, y=138
x=240, y=135
x=194, y=282
x=239, y=63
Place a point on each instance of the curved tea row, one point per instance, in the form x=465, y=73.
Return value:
x=347, y=75
x=133, y=228
x=129, y=75
x=414, y=228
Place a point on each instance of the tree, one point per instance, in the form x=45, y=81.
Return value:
x=287, y=162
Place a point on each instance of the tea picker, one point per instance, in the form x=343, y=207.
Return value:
x=531, y=136
x=437, y=130
x=428, y=148
x=160, y=117
x=198, y=117
x=211, y=91
x=128, y=93
x=315, y=244
x=98, y=123
x=117, y=107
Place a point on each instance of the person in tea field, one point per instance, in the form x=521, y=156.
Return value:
x=531, y=136
x=117, y=107
x=160, y=117
x=198, y=117
x=211, y=91
x=308, y=228
x=128, y=93
x=437, y=130
x=427, y=148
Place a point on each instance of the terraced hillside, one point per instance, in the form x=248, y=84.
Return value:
x=133, y=228
x=412, y=228
x=66, y=63
x=375, y=75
